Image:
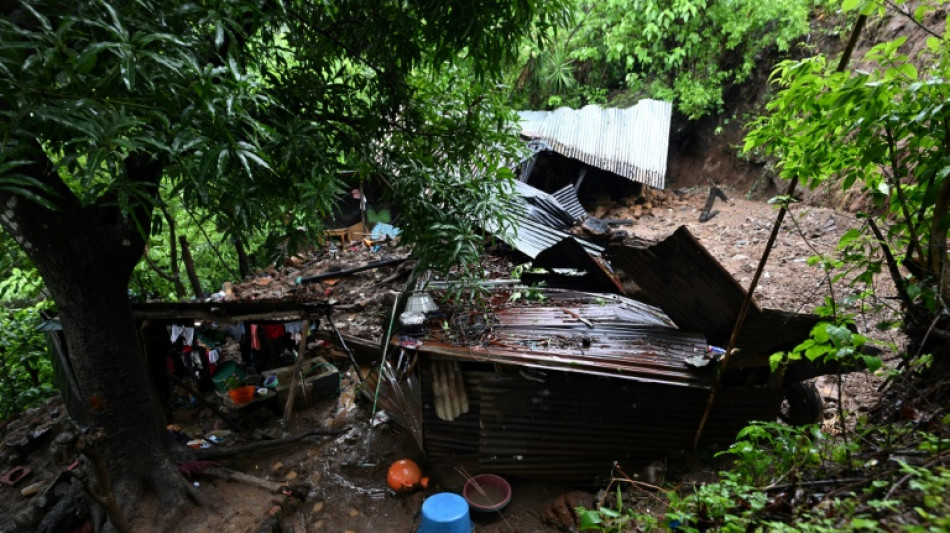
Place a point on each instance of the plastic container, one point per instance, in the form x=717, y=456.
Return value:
x=487, y=492
x=242, y=395
x=405, y=476
x=445, y=512
x=225, y=370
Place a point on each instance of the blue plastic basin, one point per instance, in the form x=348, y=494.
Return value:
x=445, y=512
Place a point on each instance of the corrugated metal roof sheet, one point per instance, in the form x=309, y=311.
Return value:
x=568, y=199
x=543, y=207
x=532, y=238
x=564, y=389
x=681, y=277
x=631, y=142
x=611, y=337
x=572, y=427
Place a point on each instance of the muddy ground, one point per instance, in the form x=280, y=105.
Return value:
x=340, y=480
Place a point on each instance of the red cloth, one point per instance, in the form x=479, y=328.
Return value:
x=255, y=339
x=273, y=331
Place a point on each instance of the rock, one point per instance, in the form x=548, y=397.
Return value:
x=291, y=476
x=65, y=438
x=317, y=507
x=354, y=512
x=560, y=516
x=595, y=226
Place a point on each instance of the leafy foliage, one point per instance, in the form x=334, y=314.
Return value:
x=609, y=519
x=881, y=132
x=685, y=51
x=25, y=370
x=787, y=478
x=830, y=343
x=254, y=109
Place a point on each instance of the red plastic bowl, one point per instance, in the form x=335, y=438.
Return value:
x=494, y=495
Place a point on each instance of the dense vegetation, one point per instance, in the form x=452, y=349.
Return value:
x=690, y=52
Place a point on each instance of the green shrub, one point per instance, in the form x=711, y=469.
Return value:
x=25, y=371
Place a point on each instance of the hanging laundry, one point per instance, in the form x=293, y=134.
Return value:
x=236, y=331
x=294, y=329
x=213, y=357
x=187, y=333
x=273, y=331
x=255, y=338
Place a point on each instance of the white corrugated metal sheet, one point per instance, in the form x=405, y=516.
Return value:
x=631, y=142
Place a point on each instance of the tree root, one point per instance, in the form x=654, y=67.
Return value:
x=105, y=495
x=221, y=453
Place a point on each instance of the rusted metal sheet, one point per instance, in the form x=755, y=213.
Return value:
x=562, y=389
x=631, y=142
x=611, y=338
x=572, y=427
x=680, y=276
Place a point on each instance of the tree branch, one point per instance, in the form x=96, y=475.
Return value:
x=896, y=183
x=891, y=265
x=173, y=252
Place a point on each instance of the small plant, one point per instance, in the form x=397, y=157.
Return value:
x=532, y=293
x=612, y=520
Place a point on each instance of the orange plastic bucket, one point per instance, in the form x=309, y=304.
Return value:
x=242, y=395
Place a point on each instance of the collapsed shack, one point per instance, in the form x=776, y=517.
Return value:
x=558, y=384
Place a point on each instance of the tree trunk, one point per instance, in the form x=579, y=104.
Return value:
x=190, y=268
x=173, y=253
x=86, y=255
x=244, y=264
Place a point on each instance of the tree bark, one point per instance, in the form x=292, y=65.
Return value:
x=244, y=264
x=190, y=268
x=173, y=253
x=86, y=254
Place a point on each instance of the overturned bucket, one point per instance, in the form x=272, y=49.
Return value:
x=445, y=512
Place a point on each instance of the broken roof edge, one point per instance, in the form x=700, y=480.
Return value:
x=631, y=142
x=681, y=277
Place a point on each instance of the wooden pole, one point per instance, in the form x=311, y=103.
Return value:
x=291, y=392
x=743, y=311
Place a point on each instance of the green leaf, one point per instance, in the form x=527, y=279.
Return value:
x=589, y=519
x=873, y=363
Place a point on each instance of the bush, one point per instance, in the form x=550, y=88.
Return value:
x=26, y=374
